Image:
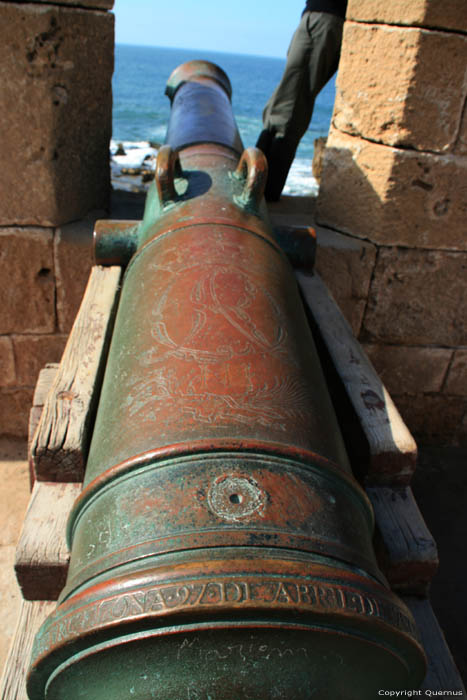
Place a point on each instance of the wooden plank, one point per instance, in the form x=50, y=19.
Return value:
x=61, y=441
x=13, y=681
x=42, y=556
x=392, y=451
x=35, y=414
x=442, y=672
x=405, y=549
x=43, y=386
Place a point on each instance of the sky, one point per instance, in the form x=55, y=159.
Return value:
x=257, y=27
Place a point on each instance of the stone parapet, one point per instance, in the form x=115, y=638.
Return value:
x=56, y=64
x=73, y=255
x=456, y=381
x=395, y=174
x=410, y=370
x=429, y=386
x=460, y=147
x=32, y=352
x=417, y=297
x=392, y=86
x=435, y=419
x=55, y=87
x=46, y=272
x=14, y=411
x=346, y=266
x=393, y=196
x=92, y=4
x=7, y=362
x=28, y=282
x=444, y=14
x=21, y=359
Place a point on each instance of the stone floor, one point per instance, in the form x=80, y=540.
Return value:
x=440, y=487
x=14, y=497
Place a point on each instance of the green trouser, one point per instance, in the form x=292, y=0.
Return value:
x=312, y=59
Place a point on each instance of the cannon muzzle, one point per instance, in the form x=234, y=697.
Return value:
x=221, y=548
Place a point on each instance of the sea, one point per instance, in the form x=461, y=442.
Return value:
x=141, y=109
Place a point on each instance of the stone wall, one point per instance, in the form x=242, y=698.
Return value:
x=56, y=64
x=395, y=176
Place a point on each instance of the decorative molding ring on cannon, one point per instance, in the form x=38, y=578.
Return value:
x=221, y=547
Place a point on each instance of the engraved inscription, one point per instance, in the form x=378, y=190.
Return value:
x=241, y=652
x=159, y=600
x=104, y=538
x=218, y=291
x=218, y=350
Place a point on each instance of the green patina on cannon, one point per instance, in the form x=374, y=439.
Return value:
x=221, y=548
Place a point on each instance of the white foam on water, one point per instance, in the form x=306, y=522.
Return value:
x=300, y=180
x=137, y=154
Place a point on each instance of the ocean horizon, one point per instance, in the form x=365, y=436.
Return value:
x=141, y=109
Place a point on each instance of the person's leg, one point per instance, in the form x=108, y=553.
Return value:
x=279, y=109
x=278, y=112
x=326, y=39
x=312, y=59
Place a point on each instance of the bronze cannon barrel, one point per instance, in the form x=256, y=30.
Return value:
x=221, y=548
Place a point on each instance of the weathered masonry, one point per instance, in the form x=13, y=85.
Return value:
x=56, y=64
x=395, y=175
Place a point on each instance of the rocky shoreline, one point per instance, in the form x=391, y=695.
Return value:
x=129, y=175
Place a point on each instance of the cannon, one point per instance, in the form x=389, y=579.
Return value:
x=221, y=548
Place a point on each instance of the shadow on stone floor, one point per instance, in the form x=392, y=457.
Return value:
x=440, y=489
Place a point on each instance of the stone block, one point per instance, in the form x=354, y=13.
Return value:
x=92, y=4
x=55, y=86
x=7, y=362
x=461, y=143
x=27, y=282
x=32, y=352
x=413, y=370
x=319, y=146
x=456, y=382
x=448, y=14
x=463, y=431
x=417, y=297
x=419, y=109
x=393, y=196
x=346, y=265
x=73, y=261
x=14, y=411
x=434, y=419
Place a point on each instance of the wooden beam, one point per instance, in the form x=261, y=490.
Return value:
x=392, y=451
x=405, y=549
x=60, y=444
x=42, y=556
x=43, y=386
